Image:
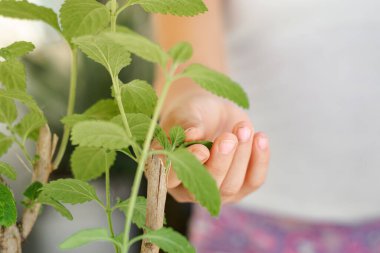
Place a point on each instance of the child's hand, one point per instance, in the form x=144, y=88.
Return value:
x=239, y=158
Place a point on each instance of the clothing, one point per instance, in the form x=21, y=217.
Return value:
x=312, y=71
x=230, y=233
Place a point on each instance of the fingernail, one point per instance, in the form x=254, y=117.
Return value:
x=226, y=146
x=263, y=142
x=200, y=155
x=243, y=134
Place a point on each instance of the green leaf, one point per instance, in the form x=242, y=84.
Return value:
x=5, y=144
x=7, y=170
x=23, y=97
x=138, y=97
x=87, y=236
x=139, y=45
x=32, y=191
x=30, y=123
x=12, y=75
x=83, y=17
x=88, y=163
x=174, y=7
x=8, y=212
x=181, y=52
x=101, y=134
x=177, y=136
x=196, y=179
x=50, y=201
x=104, y=109
x=139, y=213
x=17, y=49
x=26, y=10
x=72, y=191
x=217, y=83
x=208, y=144
x=105, y=51
x=8, y=110
x=162, y=138
x=138, y=124
x=169, y=240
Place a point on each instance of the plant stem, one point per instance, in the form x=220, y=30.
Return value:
x=20, y=144
x=142, y=161
x=70, y=106
x=113, y=15
x=108, y=207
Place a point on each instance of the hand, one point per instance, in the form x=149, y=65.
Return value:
x=239, y=158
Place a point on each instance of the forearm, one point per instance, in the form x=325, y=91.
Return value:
x=204, y=32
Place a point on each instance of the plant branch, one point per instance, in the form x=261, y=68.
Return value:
x=70, y=106
x=157, y=189
x=108, y=206
x=142, y=161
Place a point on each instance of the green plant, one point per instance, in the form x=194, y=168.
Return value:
x=126, y=124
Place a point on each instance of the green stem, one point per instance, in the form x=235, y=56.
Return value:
x=142, y=161
x=108, y=207
x=125, y=6
x=113, y=15
x=70, y=106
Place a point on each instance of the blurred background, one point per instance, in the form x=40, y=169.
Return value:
x=48, y=69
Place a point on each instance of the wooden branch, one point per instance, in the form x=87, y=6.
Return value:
x=42, y=169
x=156, y=198
x=12, y=237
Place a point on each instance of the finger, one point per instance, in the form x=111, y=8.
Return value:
x=258, y=166
x=200, y=151
x=234, y=179
x=181, y=194
x=222, y=153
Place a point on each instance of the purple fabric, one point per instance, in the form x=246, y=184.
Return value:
x=239, y=231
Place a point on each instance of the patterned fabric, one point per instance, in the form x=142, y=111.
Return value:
x=239, y=231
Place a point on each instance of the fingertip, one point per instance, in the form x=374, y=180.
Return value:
x=200, y=151
x=261, y=141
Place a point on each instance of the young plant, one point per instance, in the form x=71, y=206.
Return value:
x=126, y=124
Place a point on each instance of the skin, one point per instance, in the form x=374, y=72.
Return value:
x=239, y=158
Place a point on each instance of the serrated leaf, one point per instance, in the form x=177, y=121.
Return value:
x=139, y=45
x=8, y=212
x=72, y=191
x=217, y=83
x=87, y=236
x=8, y=110
x=169, y=240
x=16, y=49
x=26, y=10
x=162, y=138
x=12, y=74
x=104, y=109
x=23, y=97
x=95, y=133
x=138, y=124
x=105, y=51
x=50, y=201
x=32, y=191
x=181, y=52
x=5, y=144
x=88, y=163
x=31, y=122
x=174, y=7
x=177, y=136
x=7, y=170
x=138, y=97
x=83, y=17
x=139, y=213
x=196, y=179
